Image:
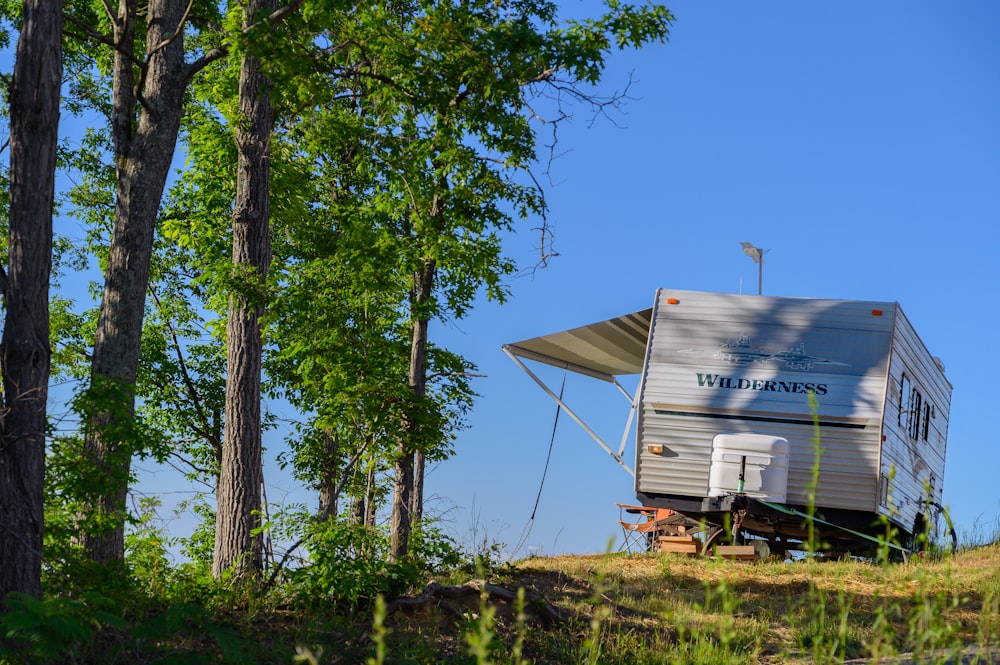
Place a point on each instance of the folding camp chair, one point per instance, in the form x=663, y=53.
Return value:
x=640, y=526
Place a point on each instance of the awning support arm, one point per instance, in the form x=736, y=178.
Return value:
x=631, y=415
x=572, y=414
x=624, y=392
x=628, y=426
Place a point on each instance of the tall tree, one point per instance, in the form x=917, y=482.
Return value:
x=25, y=352
x=150, y=75
x=431, y=108
x=147, y=104
x=237, y=537
x=482, y=75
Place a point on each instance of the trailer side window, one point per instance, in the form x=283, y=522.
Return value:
x=928, y=414
x=904, y=398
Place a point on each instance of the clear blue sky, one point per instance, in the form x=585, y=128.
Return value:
x=859, y=142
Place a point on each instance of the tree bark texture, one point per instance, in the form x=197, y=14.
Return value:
x=418, y=374
x=371, y=498
x=25, y=352
x=407, y=504
x=144, y=149
x=417, y=500
x=329, y=478
x=363, y=505
x=237, y=547
x=400, y=524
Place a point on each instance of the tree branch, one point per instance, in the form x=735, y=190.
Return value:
x=110, y=12
x=88, y=32
x=273, y=19
x=205, y=472
x=278, y=15
x=438, y=594
x=544, y=76
x=431, y=377
x=191, y=388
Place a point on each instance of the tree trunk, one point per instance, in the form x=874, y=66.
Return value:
x=329, y=477
x=417, y=499
x=25, y=353
x=371, y=491
x=364, y=506
x=357, y=510
x=407, y=505
x=237, y=546
x=400, y=525
x=144, y=150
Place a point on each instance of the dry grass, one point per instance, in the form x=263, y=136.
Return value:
x=672, y=609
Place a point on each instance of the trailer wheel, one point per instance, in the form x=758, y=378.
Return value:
x=712, y=534
x=780, y=548
x=921, y=534
x=940, y=536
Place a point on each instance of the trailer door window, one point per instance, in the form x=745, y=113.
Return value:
x=915, y=412
x=904, y=403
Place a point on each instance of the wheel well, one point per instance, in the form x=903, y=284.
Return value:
x=920, y=532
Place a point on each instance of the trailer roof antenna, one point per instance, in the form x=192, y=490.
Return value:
x=757, y=254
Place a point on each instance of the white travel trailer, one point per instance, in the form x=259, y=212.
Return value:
x=734, y=391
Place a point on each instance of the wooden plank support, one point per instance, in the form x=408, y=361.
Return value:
x=736, y=551
x=677, y=548
x=677, y=544
x=675, y=539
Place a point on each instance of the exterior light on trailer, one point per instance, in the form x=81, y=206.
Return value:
x=757, y=254
x=655, y=448
x=672, y=301
x=876, y=312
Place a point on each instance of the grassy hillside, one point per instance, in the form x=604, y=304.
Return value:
x=671, y=609
x=614, y=608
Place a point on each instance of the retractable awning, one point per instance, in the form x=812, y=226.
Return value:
x=602, y=350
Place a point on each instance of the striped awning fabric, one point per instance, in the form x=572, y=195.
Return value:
x=603, y=350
